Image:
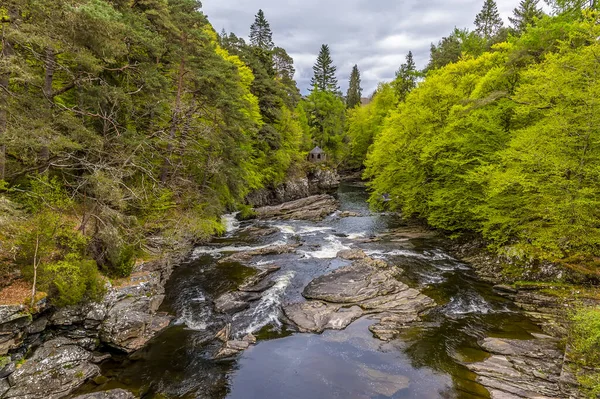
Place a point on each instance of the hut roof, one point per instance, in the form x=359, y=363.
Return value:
x=317, y=150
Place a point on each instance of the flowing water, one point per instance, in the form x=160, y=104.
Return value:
x=423, y=362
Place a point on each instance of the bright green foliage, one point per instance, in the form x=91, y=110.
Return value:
x=451, y=48
x=506, y=144
x=365, y=123
x=72, y=280
x=527, y=13
x=488, y=22
x=326, y=114
x=260, y=32
x=584, y=342
x=324, y=72
x=354, y=93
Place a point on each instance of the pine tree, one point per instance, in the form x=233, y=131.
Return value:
x=406, y=77
x=324, y=78
x=354, y=90
x=260, y=32
x=488, y=22
x=525, y=14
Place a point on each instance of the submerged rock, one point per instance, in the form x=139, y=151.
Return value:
x=313, y=208
x=112, y=394
x=233, y=347
x=55, y=370
x=366, y=287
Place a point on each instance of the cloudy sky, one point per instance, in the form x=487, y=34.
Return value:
x=375, y=34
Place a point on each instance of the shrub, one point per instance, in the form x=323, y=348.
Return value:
x=585, y=345
x=72, y=281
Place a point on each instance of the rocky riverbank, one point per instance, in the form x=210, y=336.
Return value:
x=317, y=180
x=50, y=353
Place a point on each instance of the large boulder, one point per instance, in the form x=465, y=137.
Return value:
x=55, y=370
x=313, y=208
x=366, y=287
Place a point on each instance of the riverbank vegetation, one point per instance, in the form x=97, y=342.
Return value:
x=128, y=128
x=500, y=137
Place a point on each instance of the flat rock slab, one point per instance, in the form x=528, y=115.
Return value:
x=318, y=316
x=521, y=368
x=366, y=287
x=315, y=208
x=236, y=301
x=246, y=256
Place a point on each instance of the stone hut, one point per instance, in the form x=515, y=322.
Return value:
x=317, y=155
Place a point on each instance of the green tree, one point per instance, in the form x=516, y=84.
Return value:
x=326, y=113
x=260, y=32
x=488, y=22
x=406, y=77
x=324, y=72
x=527, y=13
x=354, y=93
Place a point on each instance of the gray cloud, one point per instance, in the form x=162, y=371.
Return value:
x=375, y=34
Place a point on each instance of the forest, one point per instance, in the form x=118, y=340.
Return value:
x=128, y=128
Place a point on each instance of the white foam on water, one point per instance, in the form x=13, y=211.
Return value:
x=220, y=250
x=327, y=251
x=468, y=304
x=268, y=307
x=230, y=222
x=355, y=236
x=300, y=230
x=196, y=314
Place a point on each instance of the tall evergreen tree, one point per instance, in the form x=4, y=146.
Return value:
x=525, y=14
x=354, y=90
x=488, y=22
x=260, y=32
x=324, y=78
x=406, y=77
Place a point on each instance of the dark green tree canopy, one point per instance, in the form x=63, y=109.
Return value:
x=354, y=90
x=406, y=77
x=525, y=14
x=324, y=72
x=260, y=32
x=488, y=22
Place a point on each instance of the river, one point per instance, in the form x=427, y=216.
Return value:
x=423, y=362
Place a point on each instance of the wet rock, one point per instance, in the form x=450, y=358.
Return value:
x=261, y=286
x=355, y=283
x=37, y=326
x=7, y=369
x=521, y=368
x=233, y=302
x=232, y=348
x=246, y=256
x=4, y=386
x=223, y=334
x=366, y=287
x=259, y=231
x=311, y=208
x=112, y=394
x=55, y=370
x=352, y=254
x=382, y=383
x=348, y=214
x=318, y=316
x=261, y=274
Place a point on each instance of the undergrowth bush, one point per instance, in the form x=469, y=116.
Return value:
x=585, y=345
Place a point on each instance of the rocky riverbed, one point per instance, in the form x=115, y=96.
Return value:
x=317, y=298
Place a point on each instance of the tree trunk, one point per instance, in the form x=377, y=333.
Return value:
x=50, y=67
x=174, y=120
x=7, y=52
x=36, y=263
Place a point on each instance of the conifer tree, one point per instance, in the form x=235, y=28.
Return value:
x=488, y=22
x=324, y=78
x=406, y=77
x=525, y=14
x=260, y=32
x=354, y=90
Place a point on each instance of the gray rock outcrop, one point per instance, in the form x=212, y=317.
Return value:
x=366, y=287
x=56, y=368
x=312, y=208
x=112, y=394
